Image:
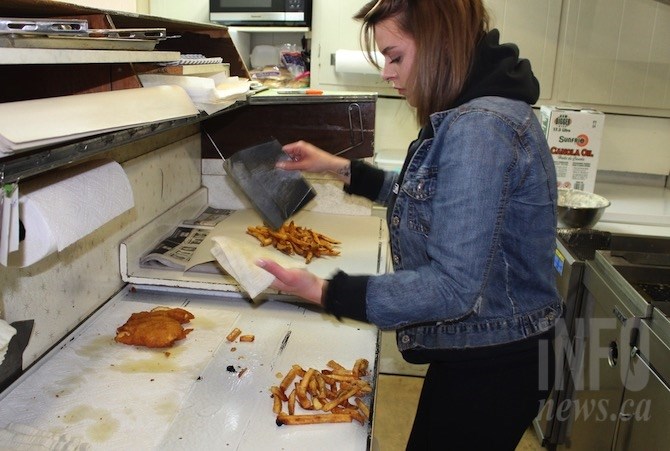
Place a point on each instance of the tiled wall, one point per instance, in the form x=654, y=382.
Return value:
x=63, y=289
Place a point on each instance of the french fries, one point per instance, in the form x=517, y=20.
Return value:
x=363, y=408
x=291, y=239
x=327, y=392
x=314, y=419
x=288, y=379
x=233, y=334
x=237, y=333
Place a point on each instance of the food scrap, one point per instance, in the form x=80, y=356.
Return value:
x=233, y=334
x=291, y=239
x=326, y=392
x=158, y=328
x=236, y=332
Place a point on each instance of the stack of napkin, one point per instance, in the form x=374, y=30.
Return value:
x=239, y=259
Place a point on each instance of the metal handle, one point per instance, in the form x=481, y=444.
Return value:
x=351, y=129
x=613, y=355
x=215, y=146
x=618, y=429
x=44, y=26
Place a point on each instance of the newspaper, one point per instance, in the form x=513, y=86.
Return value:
x=181, y=249
x=208, y=218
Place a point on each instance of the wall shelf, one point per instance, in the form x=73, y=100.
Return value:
x=250, y=29
x=22, y=56
x=35, y=72
x=27, y=164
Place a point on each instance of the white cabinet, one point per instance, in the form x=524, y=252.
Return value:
x=612, y=55
x=334, y=29
x=192, y=11
x=533, y=25
x=616, y=53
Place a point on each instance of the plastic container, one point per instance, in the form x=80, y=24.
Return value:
x=264, y=55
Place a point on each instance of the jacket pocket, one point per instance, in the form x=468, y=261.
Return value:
x=420, y=189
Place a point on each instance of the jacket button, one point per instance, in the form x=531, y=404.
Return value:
x=395, y=221
x=405, y=339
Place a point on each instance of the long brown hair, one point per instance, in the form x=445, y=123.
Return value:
x=445, y=33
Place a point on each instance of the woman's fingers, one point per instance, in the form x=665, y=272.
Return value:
x=299, y=282
x=272, y=267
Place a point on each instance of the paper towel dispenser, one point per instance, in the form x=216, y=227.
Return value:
x=356, y=62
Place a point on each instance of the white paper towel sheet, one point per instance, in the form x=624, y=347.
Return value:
x=31, y=123
x=239, y=258
x=58, y=210
x=355, y=62
x=209, y=94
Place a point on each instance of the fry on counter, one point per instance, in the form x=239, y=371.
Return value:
x=233, y=334
x=288, y=379
x=363, y=408
x=324, y=392
x=318, y=418
x=247, y=338
x=291, y=239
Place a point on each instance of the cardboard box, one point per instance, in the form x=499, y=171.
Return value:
x=574, y=138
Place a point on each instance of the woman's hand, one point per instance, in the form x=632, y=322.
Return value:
x=297, y=282
x=307, y=157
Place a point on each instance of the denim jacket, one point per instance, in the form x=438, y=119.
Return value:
x=472, y=231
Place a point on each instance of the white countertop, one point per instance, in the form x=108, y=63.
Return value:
x=635, y=209
x=203, y=393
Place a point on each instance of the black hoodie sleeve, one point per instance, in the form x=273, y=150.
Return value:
x=345, y=296
x=366, y=180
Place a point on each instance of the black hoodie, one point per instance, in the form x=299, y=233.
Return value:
x=497, y=71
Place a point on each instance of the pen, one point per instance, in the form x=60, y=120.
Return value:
x=300, y=91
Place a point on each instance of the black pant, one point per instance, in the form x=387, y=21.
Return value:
x=484, y=403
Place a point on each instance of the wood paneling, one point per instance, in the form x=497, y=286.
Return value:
x=326, y=125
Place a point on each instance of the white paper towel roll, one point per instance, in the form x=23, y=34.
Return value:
x=354, y=62
x=57, y=210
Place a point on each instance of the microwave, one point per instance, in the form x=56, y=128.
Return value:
x=286, y=13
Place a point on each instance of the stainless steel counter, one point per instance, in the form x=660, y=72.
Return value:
x=204, y=393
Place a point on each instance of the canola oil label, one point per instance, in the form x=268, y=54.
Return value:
x=574, y=138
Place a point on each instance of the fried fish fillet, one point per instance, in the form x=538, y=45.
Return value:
x=159, y=328
x=178, y=314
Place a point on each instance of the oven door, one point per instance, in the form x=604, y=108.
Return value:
x=600, y=371
x=642, y=419
x=550, y=424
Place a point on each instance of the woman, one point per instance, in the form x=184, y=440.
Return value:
x=472, y=226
